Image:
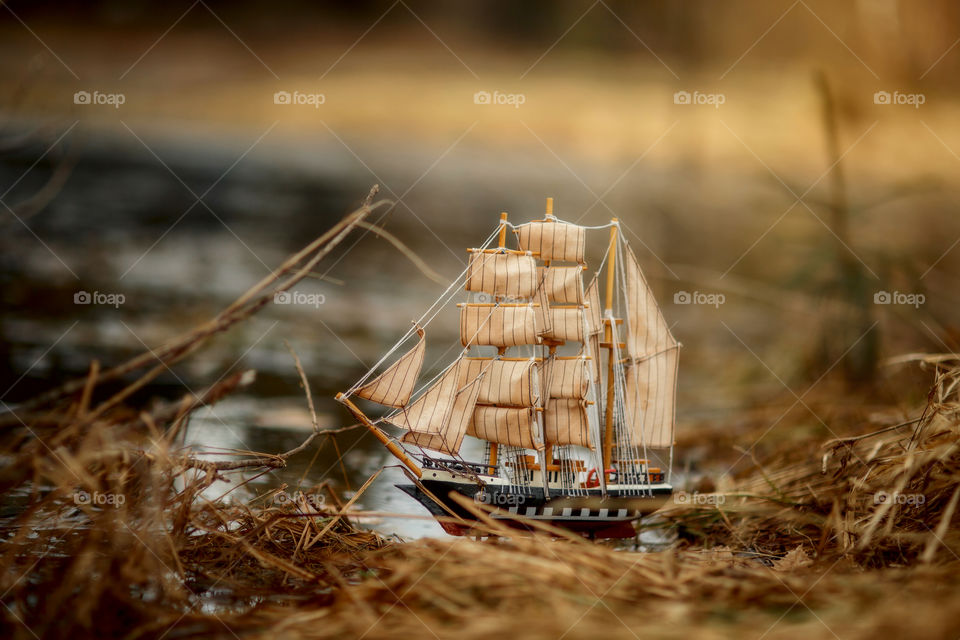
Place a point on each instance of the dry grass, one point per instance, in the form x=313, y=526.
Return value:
x=797, y=549
x=880, y=499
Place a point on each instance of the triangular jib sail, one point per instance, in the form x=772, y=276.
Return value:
x=394, y=386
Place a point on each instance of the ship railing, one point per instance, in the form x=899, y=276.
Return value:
x=654, y=477
x=458, y=465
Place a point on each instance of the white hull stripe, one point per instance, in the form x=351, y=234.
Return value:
x=547, y=513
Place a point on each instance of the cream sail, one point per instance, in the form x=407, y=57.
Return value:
x=506, y=383
x=651, y=372
x=394, y=386
x=438, y=419
x=502, y=274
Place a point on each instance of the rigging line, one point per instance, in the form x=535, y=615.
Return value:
x=420, y=322
x=601, y=397
x=423, y=324
x=428, y=383
x=636, y=398
x=626, y=308
x=556, y=219
x=593, y=420
x=422, y=391
x=646, y=357
x=603, y=262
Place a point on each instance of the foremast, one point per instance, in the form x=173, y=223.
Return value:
x=493, y=448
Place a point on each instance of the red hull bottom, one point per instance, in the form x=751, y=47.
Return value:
x=621, y=529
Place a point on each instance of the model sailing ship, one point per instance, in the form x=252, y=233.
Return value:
x=573, y=398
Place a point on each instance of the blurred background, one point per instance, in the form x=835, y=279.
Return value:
x=790, y=166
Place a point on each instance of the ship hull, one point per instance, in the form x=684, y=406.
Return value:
x=588, y=513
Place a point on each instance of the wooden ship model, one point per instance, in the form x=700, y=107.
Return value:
x=573, y=395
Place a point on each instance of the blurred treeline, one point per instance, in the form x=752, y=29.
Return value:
x=899, y=39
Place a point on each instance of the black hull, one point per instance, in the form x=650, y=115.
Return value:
x=590, y=514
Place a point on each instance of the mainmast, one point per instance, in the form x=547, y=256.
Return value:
x=501, y=244
x=551, y=350
x=609, y=333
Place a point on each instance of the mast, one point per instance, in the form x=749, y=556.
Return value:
x=551, y=351
x=501, y=244
x=609, y=333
